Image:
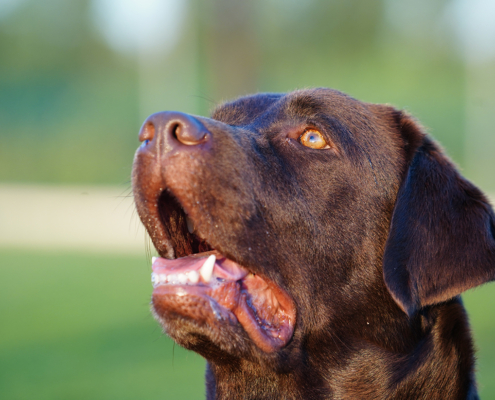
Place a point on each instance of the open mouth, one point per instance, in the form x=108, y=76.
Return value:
x=202, y=285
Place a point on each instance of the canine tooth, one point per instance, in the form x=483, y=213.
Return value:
x=153, y=259
x=190, y=224
x=193, y=277
x=182, y=278
x=155, y=279
x=207, y=269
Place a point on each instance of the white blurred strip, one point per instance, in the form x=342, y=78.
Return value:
x=98, y=219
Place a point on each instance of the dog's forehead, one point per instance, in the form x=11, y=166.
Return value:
x=302, y=103
x=245, y=109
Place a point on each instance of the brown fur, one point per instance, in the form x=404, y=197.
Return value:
x=374, y=240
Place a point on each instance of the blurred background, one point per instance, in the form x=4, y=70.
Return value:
x=77, y=79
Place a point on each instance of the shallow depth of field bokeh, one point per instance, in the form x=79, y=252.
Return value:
x=77, y=79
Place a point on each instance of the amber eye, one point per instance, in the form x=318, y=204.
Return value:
x=313, y=139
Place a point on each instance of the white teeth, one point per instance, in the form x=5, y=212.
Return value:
x=153, y=259
x=192, y=276
x=190, y=224
x=182, y=278
x=207, y=269
x=186, y=278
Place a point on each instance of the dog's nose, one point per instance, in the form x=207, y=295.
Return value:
x=174, y=125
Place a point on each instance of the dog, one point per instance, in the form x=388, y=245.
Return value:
x=313, y=246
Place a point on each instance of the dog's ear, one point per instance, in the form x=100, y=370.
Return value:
x=442, y=234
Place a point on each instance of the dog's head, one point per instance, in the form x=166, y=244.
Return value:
x=285, y=216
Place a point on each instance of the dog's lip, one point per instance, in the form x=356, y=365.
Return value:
x=264, y=310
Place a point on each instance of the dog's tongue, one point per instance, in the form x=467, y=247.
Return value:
x=264, y=310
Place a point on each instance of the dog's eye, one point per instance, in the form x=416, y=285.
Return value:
x=313, y=139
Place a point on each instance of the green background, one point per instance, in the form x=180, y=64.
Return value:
x=76, y=324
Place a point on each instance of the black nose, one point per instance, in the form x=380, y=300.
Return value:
x=175, y=125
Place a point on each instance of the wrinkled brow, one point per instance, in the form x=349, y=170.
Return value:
x=303, y=105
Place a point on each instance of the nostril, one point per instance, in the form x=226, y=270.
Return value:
x=176, y=131
x=189, y=133
x=175, y=126
x=147, y=132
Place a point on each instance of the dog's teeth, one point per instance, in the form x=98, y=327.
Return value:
x=153, y=259
x=190, y=277
x=182, y=278
x=190, y=224
x=207, y=269
x=193, y=277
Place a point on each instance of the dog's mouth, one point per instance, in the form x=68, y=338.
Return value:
x=203, y=286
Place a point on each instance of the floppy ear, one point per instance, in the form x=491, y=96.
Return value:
x=442, y=235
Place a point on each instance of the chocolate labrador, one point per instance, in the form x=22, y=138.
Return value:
x=313, y=246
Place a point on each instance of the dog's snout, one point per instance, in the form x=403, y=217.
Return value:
x=175, y=126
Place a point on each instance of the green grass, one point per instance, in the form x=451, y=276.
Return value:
x=77, y=326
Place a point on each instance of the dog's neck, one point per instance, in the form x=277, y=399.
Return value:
x=251, y=382
x=367, y=371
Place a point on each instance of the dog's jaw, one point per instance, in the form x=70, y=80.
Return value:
x=214, y=292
